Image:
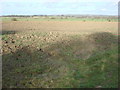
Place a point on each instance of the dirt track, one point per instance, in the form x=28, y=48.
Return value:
x=65, y=26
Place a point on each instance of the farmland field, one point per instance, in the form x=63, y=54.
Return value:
x=49, y=53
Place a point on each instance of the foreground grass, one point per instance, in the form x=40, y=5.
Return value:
x=69, y=63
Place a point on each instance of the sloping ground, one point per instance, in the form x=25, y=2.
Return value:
x=52, y=59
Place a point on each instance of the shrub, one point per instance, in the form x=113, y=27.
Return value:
x=14, y=19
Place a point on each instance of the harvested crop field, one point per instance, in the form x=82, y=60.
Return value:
x=59, y=54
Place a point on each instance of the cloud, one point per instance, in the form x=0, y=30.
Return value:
x=103, y=9
x=60, y=1
x=59, y=7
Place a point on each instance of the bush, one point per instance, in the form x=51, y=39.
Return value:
x=14, y=19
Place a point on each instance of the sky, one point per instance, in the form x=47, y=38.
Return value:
x=58, y=7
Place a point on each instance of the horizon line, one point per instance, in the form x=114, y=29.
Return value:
x=56, y=14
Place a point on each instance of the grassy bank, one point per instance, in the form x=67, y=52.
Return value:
x=59, y=60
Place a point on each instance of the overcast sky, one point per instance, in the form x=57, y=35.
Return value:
x=56, y=7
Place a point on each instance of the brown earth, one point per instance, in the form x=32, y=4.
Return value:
x=64, y=26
